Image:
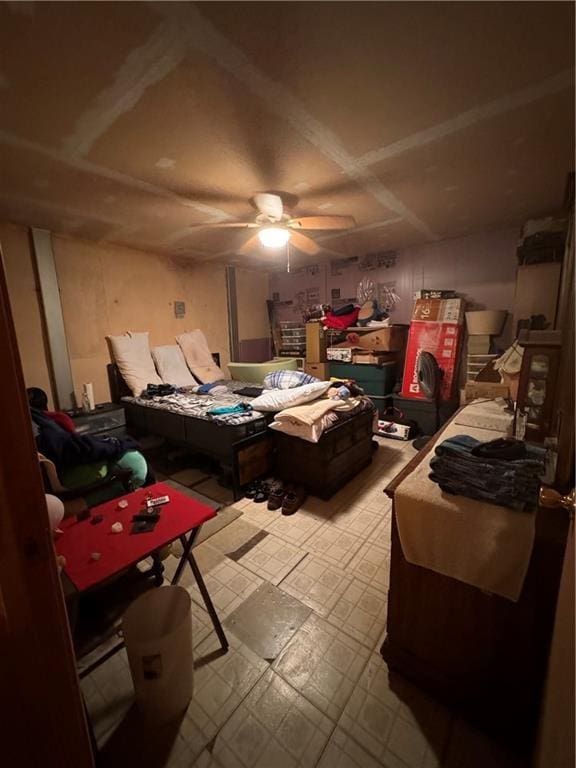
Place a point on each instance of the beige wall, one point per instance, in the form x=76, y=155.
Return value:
x=252, y=292
x=107, y=290
x=25, y=304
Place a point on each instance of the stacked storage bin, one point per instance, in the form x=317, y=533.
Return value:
x=293, y=339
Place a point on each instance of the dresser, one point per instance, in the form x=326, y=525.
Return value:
x=481, y=654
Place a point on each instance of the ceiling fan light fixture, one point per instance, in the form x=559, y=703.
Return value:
x=273, y=237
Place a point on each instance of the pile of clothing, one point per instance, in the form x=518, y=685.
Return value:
x=505, y=471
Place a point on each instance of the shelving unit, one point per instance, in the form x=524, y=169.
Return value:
x=292, y=339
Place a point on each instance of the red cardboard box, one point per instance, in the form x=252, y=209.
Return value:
x=438, y=311
x=443, y=341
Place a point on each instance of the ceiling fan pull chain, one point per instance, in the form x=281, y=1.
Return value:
x=288, y=256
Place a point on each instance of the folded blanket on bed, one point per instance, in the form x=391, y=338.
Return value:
x=310, y=420
x=307, y=413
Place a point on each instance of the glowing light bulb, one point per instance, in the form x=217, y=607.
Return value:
x=273, y=237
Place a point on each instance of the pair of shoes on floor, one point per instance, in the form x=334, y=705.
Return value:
x=290, y=498
x=258, y=491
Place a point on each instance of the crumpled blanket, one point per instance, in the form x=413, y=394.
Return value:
x=310, y=420
x=307, y=413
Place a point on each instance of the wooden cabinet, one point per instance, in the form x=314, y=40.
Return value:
x=537, y=388
x=480, y=653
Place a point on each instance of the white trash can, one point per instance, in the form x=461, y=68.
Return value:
x=158, y=635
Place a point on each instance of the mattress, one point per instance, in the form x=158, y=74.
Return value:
x=186, y=402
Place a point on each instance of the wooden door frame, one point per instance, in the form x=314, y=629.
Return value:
x=555, y=745
x=43, y=720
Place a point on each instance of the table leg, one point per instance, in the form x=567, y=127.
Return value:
x=157, y=569
x=188, y=556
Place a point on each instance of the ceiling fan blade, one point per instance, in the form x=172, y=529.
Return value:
x=269, y=205
x=303, y=243
x=249, y=245
x=231, y=224
x=322, y=222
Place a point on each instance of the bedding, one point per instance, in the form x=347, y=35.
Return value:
x=198, y=357
x=171, y=365
x=131, y=353
x=287, y=379
x=311, y=420
x=308, y=413
x=190, y=403
x=307, y=421
x=272, y=400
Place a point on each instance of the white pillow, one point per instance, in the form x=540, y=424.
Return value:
x=198, y=357
x=131, y=354
x=172, y=366
x=278, y=399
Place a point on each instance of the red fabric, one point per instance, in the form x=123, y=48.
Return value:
x=341, y=321
x=62, y=419
x=120, y=550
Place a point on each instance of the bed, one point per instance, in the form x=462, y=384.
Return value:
x=244, y=446
x=241, y=446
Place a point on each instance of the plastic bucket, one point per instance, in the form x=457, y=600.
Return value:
x=486, y=322
x=158, y=635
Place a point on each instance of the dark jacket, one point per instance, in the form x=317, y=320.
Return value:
x=69, y=449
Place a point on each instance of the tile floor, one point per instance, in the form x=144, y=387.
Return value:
x=303, y=602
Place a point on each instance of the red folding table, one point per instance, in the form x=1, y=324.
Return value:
x=95, y=554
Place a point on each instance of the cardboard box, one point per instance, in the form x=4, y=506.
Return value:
x=320, y=370
x=439, y=311
x=341, y=354
x=390, y=339
x=484, y=389
x=443, y=341
x=315, y=343
x=369, y=358
x=393, y=430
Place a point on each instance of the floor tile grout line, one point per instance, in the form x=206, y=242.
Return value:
x=299, y=693
x=325, y=747
x=343, y=706
x=215, y=736
x=304, y=556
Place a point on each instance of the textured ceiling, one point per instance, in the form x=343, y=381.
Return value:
x=143, y=124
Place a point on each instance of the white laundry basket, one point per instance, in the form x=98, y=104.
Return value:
x=158, y=635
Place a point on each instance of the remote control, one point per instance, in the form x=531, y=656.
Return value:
x=157, y=502
x=147, y=517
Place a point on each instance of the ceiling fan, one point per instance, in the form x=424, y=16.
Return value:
x=276, y=227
